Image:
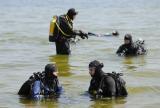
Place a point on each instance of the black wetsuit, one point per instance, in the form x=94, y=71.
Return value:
x=108, y=85
x=127, y=50
x=38, y=84
x=95, y=84
x=62, y=43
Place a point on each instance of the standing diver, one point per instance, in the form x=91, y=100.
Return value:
x=105, y=84
x=42, y=83
x=64, y=32
x=130, y=48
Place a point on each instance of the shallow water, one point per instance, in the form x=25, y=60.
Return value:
x=24, y=49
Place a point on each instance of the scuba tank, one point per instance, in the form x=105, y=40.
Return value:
x=140, y=44
x=53, y=31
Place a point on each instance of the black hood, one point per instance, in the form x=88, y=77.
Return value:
x=49, y=69
x=128, y=37
x=71, y=12
x=98, y=74
x=98, y=66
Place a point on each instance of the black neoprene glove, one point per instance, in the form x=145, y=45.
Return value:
x=83, y=35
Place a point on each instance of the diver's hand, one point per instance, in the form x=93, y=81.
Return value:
x=83, y=35
x=99, y=93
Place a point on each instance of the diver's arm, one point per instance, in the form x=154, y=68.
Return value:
x=68, y=29
x=58, y=88
x=119, y=51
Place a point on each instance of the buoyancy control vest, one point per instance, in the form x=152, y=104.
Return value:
x=55, y=28
x=119, y=82
x=26, y=88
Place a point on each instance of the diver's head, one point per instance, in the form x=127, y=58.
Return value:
x=72, y=13
x=128, y=39
x=51, y=71
x=115, y=33
x=95, y=67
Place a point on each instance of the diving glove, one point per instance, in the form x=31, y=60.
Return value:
x=83, y=35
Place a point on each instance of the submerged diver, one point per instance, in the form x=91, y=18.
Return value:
x=105, y=84
x=130, y=48
x=64, y=32
x=42, y=83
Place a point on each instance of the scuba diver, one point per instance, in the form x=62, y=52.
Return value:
x=105, y=84
x=42, y=83
x=63, y=32
x=130, y=48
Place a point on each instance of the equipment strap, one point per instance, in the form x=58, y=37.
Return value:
x=61, y=29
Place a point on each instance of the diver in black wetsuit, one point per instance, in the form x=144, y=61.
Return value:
x=66, y=32
x=105, y=84
x=130, y=48
x=44, y=83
